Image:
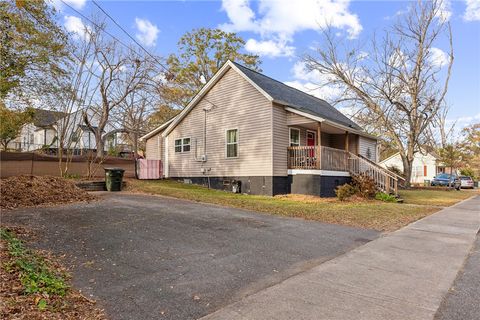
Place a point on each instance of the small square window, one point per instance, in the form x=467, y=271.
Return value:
x=182, y=145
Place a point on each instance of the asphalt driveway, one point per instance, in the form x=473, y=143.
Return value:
x=146, y=257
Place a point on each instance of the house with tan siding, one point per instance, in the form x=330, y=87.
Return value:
x=248, y=130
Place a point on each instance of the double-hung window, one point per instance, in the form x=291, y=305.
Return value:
x=232, y=143
x=182, y=145
x=294, y=137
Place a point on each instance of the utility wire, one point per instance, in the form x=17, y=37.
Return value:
x=128, y=34
x=95, y=24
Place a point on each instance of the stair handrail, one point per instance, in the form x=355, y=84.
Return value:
x=385, y=184
x=391, y=173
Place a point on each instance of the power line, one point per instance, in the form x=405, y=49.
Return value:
x=95, y=24
x=111, y=35
x=128, y=34
x=134, y=40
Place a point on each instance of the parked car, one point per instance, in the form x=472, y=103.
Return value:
x=466, y=182
x=447, y=180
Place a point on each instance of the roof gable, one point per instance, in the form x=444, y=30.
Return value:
x=205, y=89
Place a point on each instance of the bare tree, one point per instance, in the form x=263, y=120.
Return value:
x=395, y=84
x=440, y=133
x=134, y=113
x=75, y=93
x=118, y=72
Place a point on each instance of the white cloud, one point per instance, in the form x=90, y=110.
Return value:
x=269, y=48
x=465, y=121
x=301, y=72
x=314, y=83
x=472, y=12
x=327, y=93
x=279, y=20
x=445, y=10
x=77, y=4
x=76, y=26
x=147, y=32
x=438, y=57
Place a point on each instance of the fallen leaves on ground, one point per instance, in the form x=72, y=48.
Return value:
x=15, y=304
x=31, y=191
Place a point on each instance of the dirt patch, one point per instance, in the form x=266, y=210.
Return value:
x=16, y=303
x=31, y=191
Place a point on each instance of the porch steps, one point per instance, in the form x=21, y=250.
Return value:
x=384, y=179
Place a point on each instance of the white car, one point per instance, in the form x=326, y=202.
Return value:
x=466, y=182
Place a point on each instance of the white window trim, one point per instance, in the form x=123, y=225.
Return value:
x=181, y=144
x=314, y=135
x=237, y=143
x=290, y=137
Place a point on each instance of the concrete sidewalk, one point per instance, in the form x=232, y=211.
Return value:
x=404, y=275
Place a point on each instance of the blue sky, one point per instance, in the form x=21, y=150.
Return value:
x=281, y=31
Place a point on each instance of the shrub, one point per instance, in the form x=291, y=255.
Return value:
x=467, y=172
x=345, y=191
x=365, y=186
x=385, y=197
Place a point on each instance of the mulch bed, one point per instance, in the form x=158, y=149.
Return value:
x=31, y=191
x=15, y=304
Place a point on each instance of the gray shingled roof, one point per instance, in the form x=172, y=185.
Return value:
x=296, y=99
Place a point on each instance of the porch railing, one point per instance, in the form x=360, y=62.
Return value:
x=303, y=157
x=309, y=157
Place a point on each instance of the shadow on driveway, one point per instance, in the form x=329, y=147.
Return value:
x=147, y=257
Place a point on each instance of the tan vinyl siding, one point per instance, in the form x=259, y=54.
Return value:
x=281, y=140
x=153, y=147
x=338, y=141
x=236, y=105
x=365, y=144
x=352, y=143
x=295, y=119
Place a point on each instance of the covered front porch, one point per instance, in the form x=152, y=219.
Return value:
x=319, y=145
x=322, y=155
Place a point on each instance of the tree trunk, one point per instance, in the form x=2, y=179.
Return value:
x=135, y=145
x=100, y=146
x=407, y=171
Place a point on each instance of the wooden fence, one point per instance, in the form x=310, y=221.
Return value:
x=30, y=163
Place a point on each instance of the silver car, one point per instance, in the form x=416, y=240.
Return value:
x=466, y=182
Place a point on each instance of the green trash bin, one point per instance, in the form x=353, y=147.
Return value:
x=426, y=183
x=113, y=178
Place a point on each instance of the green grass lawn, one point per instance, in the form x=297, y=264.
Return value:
x=366, y=214
x=440, y=197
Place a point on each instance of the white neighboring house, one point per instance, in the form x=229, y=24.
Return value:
x=41, y=133
x=425, y=166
